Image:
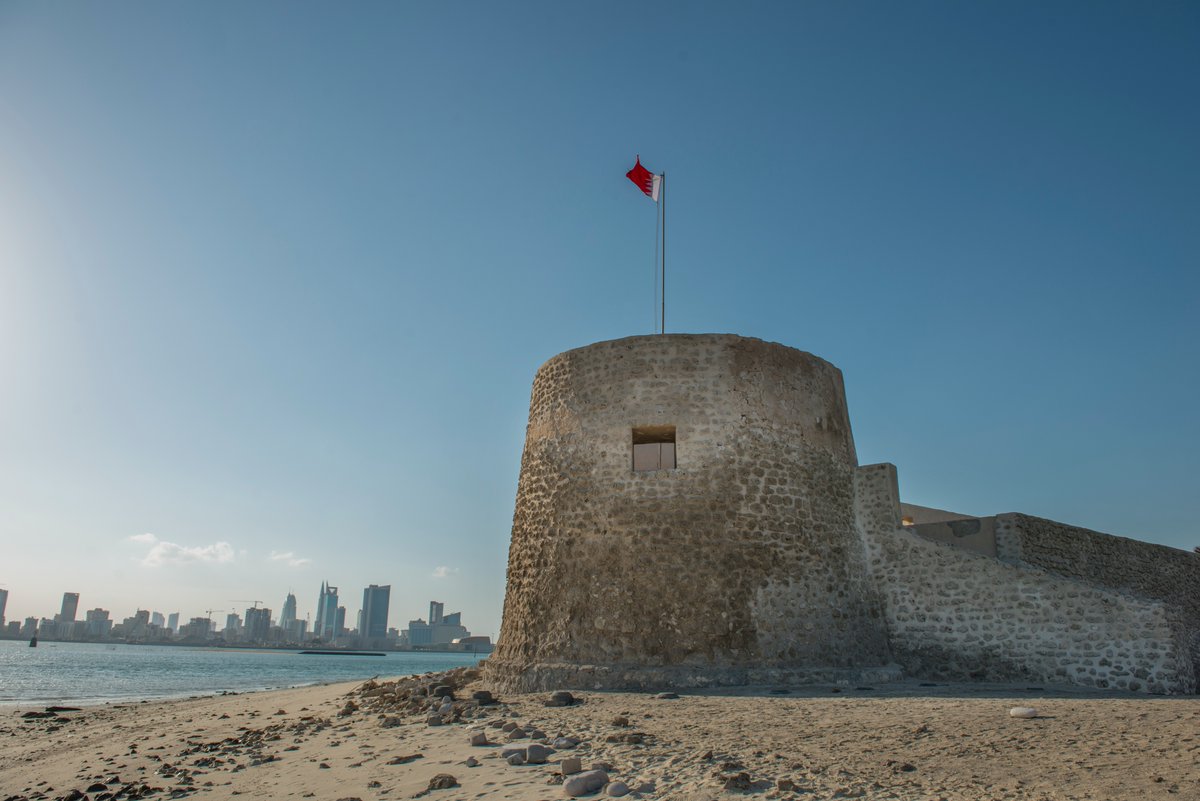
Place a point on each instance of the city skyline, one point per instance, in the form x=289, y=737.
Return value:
x=376, y=601
x=275, y=279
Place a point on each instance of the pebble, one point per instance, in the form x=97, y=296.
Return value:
x=583, y=783
x=1022, y=712
x=516, y=759
x=616, y=789
x=472, y=762
x=537, y=754
x=479, y=738
x=564, y=743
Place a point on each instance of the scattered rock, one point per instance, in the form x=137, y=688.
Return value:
x=471, y=762
x=900, y=767
x=443, y=691
x=739, y=781
x=1023, y=712
x=483, y=697
x=537, y=754
x=570, y=766
x=434, y=720
x=583, y=783
x=561, y=698
x=785, y=785
x=442, y=781
x=616, y=789
x=564, y=743
x=620, y=721
x=479, y=738
x=404, y=760
x=392, y=721
x=516, y=759
x=537, y=734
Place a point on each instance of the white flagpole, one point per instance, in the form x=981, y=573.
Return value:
x=662, y=191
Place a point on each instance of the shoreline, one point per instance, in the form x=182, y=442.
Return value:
x=362, y=740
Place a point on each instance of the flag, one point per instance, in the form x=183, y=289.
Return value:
x=645, y=180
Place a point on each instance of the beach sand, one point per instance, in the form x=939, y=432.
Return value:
x=903, y=741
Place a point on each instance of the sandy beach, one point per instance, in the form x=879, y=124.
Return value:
x=383, y=740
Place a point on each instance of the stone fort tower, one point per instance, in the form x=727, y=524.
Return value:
x=691, y=512
x=685, y=515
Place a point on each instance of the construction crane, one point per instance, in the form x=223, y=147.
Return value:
x=208, y=613
x=244, y=601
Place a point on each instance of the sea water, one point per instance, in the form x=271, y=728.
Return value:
x=91, y=673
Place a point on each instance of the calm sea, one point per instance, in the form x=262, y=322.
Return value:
x=90, y=673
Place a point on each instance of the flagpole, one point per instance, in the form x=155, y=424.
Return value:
x=663, y=191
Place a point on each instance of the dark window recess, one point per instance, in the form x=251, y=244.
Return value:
x=654, y=448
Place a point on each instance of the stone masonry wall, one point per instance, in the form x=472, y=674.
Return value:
x=1118, y=563
x=953, y=614
x=741, y=564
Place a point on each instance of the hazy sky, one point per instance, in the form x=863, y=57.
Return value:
x=275, y=277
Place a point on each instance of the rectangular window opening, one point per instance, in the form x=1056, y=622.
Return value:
x=653, y=448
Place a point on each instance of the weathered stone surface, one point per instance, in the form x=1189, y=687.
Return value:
x=763, y=486
x=570, y=766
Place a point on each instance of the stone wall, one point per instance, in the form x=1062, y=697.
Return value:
x=1127, y=566
x=741, y=564
x=954, y=614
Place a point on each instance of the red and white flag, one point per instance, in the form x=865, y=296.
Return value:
x=645, y=180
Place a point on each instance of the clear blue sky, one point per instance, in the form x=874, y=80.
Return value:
x=275, y=277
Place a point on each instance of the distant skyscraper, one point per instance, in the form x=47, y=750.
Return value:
x=258, y=624
x=375, y=611
x=70, y=606
x=287, y=617
x=327, y=626
x=3, y=603
x=157, y=619
x=435, y=612
x=173, y=621
x=339, y=622
x=233, y=622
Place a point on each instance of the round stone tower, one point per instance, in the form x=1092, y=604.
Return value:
x=685, y=517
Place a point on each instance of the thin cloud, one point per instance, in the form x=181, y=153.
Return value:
x=443, y=572
x=289, y=558
x=169, y=553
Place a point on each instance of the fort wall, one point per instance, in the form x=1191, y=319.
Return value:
x=690, y=512
x=956, y=614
